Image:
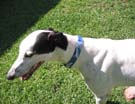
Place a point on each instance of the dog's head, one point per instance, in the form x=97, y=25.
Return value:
x=37, y=47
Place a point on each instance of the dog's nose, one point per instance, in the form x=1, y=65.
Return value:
x=9, y=77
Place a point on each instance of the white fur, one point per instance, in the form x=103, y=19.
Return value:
x=104, y=63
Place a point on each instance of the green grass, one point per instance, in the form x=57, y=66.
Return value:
x=53, y=83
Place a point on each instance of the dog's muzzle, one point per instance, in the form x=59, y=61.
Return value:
x=10, y=77
x=25, y=76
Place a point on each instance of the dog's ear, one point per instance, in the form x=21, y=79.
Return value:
x=50, y=28
x=58, y=39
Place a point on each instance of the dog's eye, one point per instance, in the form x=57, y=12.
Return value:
x=29, y=54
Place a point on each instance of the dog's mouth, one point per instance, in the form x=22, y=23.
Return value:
x=27, y=75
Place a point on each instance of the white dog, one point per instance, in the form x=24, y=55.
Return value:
x=104, y=63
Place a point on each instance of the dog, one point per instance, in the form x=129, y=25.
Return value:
x=103, y=63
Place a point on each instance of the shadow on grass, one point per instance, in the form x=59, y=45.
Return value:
x=16, y=16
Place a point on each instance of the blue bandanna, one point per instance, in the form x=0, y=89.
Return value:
x=76, y=53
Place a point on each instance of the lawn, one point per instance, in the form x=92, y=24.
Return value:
x=53, y=83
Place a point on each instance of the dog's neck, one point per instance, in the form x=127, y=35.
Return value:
x=65, y=55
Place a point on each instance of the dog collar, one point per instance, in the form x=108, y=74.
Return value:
x=76, y=53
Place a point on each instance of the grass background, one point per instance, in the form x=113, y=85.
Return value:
x=53, y=83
